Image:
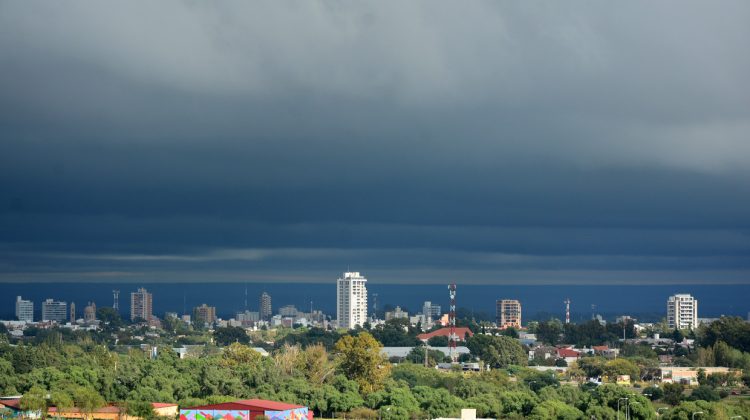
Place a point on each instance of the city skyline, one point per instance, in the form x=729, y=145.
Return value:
x=497, y=144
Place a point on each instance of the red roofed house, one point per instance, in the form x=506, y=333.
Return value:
x=461, y=333
x=569, y=355
x=247, y=410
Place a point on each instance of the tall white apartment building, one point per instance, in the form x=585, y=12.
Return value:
x=351, y=300
x=53, y=310
x=24, y=310
x=682, y=311
x=141, y=303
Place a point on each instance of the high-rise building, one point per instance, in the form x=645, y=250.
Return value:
x=682, y=311
x=24, y=310
x=141, y=305
x=53, y=310
x=351, y=300
x=204, y=314
x=508, y=313
x=72, y=312
x=89, y=313
x=265, y=306
x=431, y=310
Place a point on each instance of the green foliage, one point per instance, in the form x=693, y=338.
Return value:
x=499, y=351
x=553, y=409
x=396, y=333
x=360, y=359
x=549, y=332
x=673, y=393
x=225, y=336
x=705, y=393
x=438, y=341
x=733, y=331
x=35, y=399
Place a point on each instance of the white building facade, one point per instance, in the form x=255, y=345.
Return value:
x=682, y=312
x=351, y=300
x=53, y=310
x=24, y=310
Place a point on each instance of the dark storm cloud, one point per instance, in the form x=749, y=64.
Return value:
x=421, y=141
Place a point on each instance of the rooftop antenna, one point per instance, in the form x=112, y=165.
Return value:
x=245, y=296
x=567, y=310
x=116, y=297
x=593, y=309
x=183, y=303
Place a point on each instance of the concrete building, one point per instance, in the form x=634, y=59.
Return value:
x=351, y=300
x=204, y=314
x=53, y=310
x=24, y=310
x=396, y=314
x=89, y=313
x=288, y=310
x=141, y=305
x=431, y=310
x=72, y=313
x=265, y=307
x=682, y=311
x=508, y=313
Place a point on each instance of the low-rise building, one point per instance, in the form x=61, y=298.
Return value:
x=247, y=410
x=461, y=334
x=689, y=375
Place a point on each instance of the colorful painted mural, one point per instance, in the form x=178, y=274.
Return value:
x=295, y=414
x=198, y=414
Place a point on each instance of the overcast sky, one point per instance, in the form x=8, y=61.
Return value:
x=480, y=142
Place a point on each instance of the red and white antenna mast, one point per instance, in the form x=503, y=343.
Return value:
x=452, y=338
x=567, y=310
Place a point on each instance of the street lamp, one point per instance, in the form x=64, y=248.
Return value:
x=618, y=405
x=694, y=413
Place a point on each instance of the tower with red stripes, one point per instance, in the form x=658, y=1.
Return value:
x=452, y=338
x=567, y=310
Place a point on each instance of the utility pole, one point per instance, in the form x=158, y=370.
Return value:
x=567, y=310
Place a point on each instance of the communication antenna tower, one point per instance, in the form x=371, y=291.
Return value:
x=567, y=310
x=116, y=303
x=593, y=310
x=374, y=306
x=452, y=323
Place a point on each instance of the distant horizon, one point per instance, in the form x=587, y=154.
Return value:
x=535, y=299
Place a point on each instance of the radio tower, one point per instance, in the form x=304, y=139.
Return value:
x=452, y=323
x=116, y=303
x=374, y=306
x=567, y=310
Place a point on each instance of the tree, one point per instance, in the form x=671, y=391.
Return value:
x=438, y=341
x=109, y=317
x=35, y=400
x=225, y=336
x=360, y=359
x=705, y=393
x=549, y=332
x=87, y=400
x=238, y=354
x=620, y=366
x=499, y=352
x=673, y=393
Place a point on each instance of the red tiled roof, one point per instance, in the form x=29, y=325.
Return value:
x=269, y=405
x=600, y=348
x=445, y=332
x=15, y=404
x=253, y=404
x=567, y=353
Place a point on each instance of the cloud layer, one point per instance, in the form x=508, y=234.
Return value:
x=500, y=143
